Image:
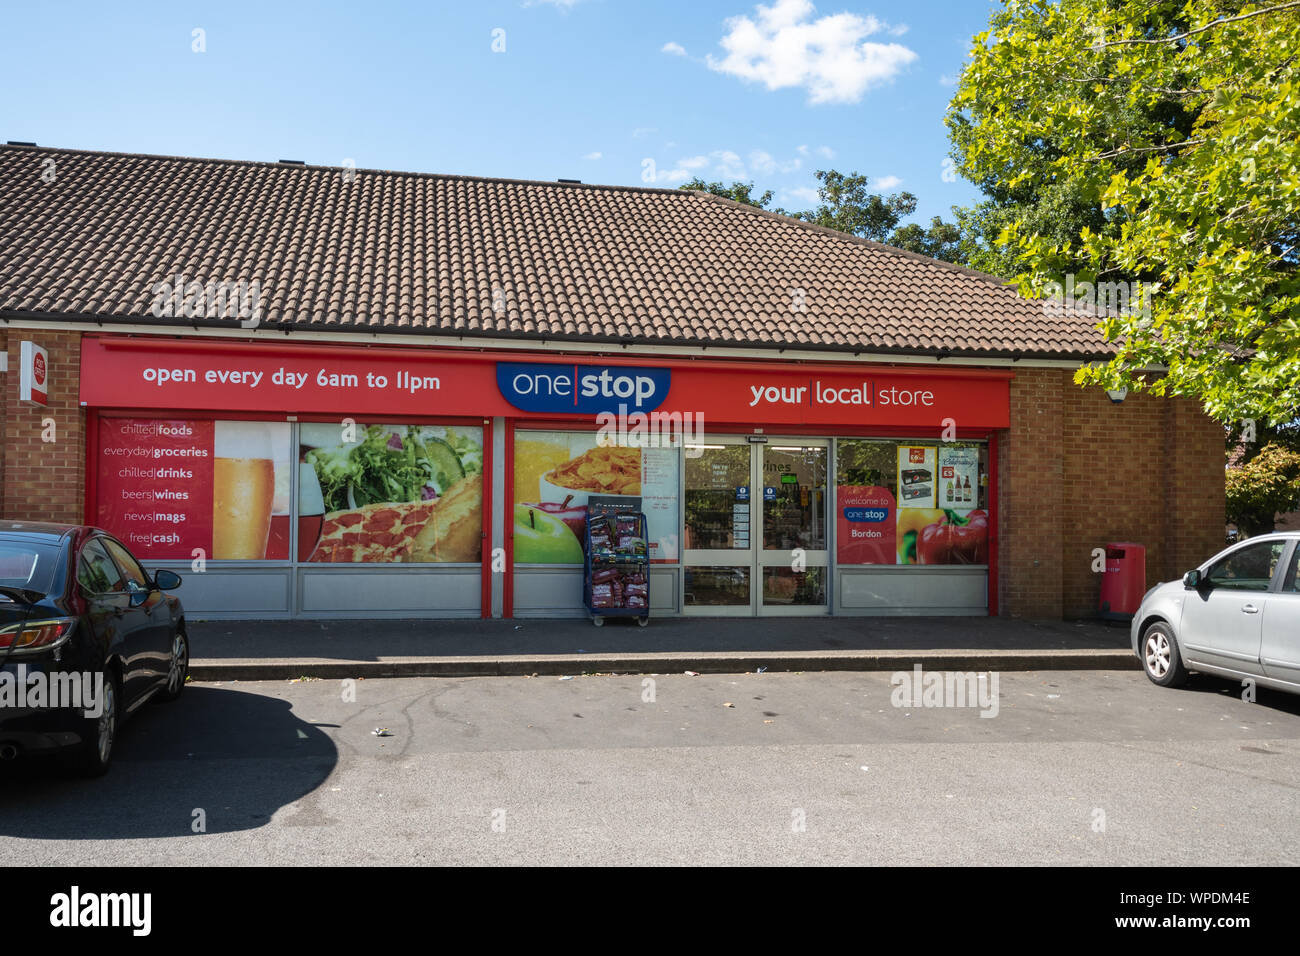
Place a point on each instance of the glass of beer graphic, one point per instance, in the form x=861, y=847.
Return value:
x=311, y=510
x=243, y=491
x=277, y=543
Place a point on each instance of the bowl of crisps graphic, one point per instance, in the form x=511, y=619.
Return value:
x=604, y=470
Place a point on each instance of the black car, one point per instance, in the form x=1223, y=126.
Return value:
x=80, y=615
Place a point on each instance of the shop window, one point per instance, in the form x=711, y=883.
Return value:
x=390, y=494
x=911, y=502
x=716, y=517
x=190, y=489
x=556, y=473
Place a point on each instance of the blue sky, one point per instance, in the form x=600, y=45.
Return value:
x=608, y=91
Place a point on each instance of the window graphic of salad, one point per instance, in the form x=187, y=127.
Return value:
x=395, y=493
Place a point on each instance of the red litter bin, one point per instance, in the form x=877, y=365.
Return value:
x=1125, y=580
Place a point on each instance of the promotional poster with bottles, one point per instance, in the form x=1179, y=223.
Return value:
x=958, y=477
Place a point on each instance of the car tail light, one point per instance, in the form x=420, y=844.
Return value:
x=32, y=636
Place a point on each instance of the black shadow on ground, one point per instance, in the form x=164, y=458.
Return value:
x=1214, y=685
x=169, y=761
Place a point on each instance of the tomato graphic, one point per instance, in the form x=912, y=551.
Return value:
x=955, y=539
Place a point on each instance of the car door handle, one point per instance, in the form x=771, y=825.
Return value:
x=1249, y=609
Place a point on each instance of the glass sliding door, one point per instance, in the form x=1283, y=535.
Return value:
x=718, y=528
x=755, y=539
x=792, y=561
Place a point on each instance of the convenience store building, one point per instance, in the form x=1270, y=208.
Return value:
x=343, y=393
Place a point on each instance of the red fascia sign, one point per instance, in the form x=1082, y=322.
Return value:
x=768, y=395
x=224, y=375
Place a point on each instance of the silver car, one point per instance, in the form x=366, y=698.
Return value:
x=1237, y=616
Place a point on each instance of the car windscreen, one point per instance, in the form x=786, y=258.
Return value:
x=27, y=564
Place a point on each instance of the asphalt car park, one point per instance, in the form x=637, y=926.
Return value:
x=1078, y=767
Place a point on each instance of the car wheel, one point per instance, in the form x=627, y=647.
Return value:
x=99, y=734
x=1160, y=657
x=177, y=668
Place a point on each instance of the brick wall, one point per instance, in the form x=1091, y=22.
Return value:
x=44, y=480
x=1082, y=471
x=1031, y=497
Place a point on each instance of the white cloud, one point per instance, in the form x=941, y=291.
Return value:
x=946, y=80
x=824, y=151
x=728, y=164
x=592, y=156
x=830, y=57
x=670, y=145
x=898, y=29
x=886, y=182
x=676, y=49
x=561, y=4
x=802, y=193
x=764, y=163
x=643, y=131
x=678, y=175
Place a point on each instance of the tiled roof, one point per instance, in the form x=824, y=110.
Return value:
x=88, y=235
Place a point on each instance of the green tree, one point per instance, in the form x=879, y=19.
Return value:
x=737, y=192
x=1164, y=137
x=1030, y=193
x=1246, y=440
x=941, y=241
x=847, y=204
x=1261, y=489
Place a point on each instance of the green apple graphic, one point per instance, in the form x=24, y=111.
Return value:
x=541, y=538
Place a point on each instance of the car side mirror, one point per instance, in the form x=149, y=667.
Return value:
x=165, y=580
x=1192, y=579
